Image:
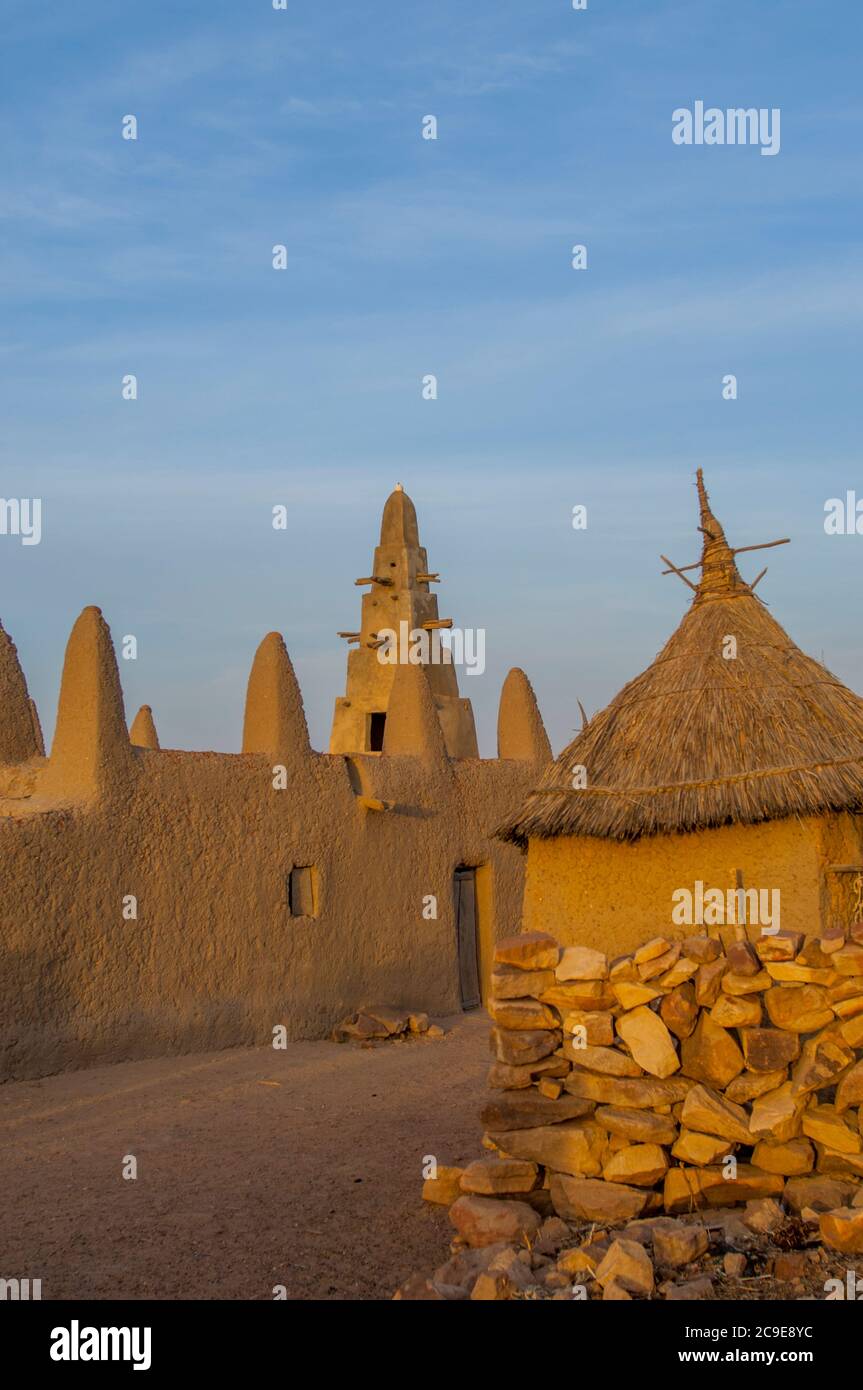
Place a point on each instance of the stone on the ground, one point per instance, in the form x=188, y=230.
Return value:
x=763, y=1216
x=445, y=1187
x=842, y=1230
x=629, y=1266
x=577, y=1147
x=678, y=1243
x=734, y=1263
x=491, y=1177
x=417, y=1289
x=692, y=1290
x=487, y=1220
x=491, y=1287
x=819, y=1193
x=591, y=1199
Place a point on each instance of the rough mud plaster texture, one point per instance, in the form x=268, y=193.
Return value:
x=613, y=895
x=206, y=844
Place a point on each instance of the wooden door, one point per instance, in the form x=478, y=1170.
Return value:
x=464, y=886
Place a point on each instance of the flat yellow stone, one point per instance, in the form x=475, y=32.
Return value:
x=791, y=1159
x=708, y=1112
x=752, y=1084
x=649, y=1041
x=745, y=984
x=598, y=1026
x=522, y=1014
x=608, y=1061
x=651, y=949
x=630, y=995
x=822, y=1123
x=801, y=974
x=701, y=1149
x=581, y=963
x=445, y=1187
x=798, y=1008
x=742, y=1011
x=777, y=1114
x=640, y=1165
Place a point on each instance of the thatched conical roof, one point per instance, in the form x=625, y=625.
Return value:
x=703, y=739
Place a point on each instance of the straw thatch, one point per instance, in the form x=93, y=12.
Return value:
x=701, y=740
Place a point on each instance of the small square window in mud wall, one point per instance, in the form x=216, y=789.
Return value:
x=377, y=724
x=303, y=892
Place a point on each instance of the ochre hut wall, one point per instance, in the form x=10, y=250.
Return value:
x=214, y=959
x=613, y=894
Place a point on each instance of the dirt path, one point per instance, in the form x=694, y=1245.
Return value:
x=255, y=1168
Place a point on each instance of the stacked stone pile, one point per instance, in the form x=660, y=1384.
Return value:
x=687, y=1077
x=379, y=1022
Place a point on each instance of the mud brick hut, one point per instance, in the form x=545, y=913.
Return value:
x=734, y=760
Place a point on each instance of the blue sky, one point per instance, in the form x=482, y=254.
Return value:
x=406, y=257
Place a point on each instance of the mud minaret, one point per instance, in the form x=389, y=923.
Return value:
x=399, y=600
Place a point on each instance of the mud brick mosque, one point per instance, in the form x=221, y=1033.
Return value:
x=156, y=900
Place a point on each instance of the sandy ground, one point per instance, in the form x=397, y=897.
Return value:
x=255, y=1168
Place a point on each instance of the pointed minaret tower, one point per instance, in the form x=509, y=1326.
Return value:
x=91, y=755
x=400, y=600
x=143, y=731
x=275, y=721
x=18, y=740
x=520, y=730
